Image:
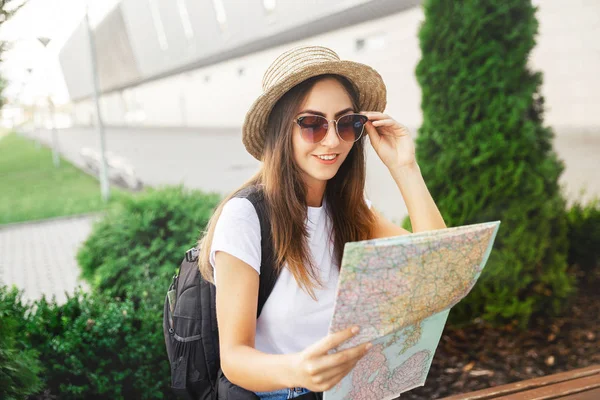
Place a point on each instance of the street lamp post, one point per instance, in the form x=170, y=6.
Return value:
x=55, y=151
x=33, y=109
x=105, y=188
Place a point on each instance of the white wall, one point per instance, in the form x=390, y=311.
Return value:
x=568, y=54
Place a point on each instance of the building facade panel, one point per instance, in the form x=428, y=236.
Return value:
x=74, y=59
x=116, y=62
x=219, y=94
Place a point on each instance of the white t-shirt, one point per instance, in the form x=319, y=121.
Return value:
x=290, y=320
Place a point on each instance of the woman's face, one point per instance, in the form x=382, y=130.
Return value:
x=328, y=97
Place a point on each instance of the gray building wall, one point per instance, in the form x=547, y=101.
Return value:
x=215, y=88
x=75, y=63
x=117, y=65
x=145, y=40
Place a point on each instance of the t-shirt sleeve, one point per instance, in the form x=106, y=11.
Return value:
x=237, y=232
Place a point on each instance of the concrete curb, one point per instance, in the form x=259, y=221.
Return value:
x=50, y=220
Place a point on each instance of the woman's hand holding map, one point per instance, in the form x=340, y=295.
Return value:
x=319, y=368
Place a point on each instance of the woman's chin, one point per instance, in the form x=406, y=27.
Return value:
x=323, y=175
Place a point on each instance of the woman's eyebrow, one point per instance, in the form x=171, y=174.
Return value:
x=323, y=115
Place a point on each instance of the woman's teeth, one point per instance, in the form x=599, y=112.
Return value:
x=328, y=157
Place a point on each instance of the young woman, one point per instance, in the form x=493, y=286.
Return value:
x=309, y=129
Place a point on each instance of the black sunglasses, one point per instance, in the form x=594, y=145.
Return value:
x=349, y=127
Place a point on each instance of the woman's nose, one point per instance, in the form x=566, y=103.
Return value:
x=331, y=138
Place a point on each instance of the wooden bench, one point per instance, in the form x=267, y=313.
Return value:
x=580, y=384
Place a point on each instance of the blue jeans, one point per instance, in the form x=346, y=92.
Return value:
x=283, y=394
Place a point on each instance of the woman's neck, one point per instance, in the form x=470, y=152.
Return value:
x=314, y=194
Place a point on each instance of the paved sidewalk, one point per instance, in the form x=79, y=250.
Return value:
x=39, y=257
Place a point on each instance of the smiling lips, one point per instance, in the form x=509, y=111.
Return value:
x=327, y=158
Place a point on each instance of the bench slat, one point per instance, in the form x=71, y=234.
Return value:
x=593, y=394
x=515, y=387
x=559, y=390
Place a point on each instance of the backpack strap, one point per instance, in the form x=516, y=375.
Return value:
x=268, y=272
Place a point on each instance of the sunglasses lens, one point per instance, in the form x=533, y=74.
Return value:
x=350, y=127
x=313, y=128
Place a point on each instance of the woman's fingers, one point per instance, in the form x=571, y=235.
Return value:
x=332, y=341
x=348, y=355
x=343, y=365
x=375, y=115
x=317, y=367
x=333, y=381
x=384, y=122
x=338, y=361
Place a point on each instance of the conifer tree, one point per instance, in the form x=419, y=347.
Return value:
x=486, y=154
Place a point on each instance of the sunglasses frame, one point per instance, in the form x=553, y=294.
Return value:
x=298, y=119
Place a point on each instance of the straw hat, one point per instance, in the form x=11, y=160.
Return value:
x=295, y=66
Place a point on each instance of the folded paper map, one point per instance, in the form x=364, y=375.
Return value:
x=399, y=290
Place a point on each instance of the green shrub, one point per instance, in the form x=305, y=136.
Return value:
x=95, y=347
x=109, y=343
x=18, y=367
x=584, y=237
x=144, y=236
x=486, y=155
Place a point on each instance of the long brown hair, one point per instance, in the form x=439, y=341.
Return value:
x=285, y=193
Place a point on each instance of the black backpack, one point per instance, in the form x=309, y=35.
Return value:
x=190, y=320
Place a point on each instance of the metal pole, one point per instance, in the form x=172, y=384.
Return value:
x=55, y=151
x=105, y=188
x=37, y=131
x=53, y=134
x=34, y=131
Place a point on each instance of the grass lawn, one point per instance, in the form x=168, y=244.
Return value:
x=31, y=188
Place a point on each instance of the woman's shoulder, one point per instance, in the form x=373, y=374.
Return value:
x=239, y=207
x=237, y=232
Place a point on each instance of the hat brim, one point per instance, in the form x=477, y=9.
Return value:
x=368, y=83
